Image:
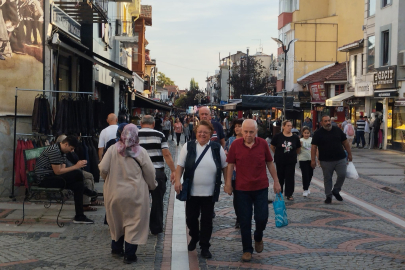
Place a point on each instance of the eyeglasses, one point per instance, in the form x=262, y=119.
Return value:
x=203, y=132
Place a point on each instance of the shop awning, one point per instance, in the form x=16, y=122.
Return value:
x=120, y=70
x=265, y=102
x=144, y=102
x=232, y=106
x=338, y=100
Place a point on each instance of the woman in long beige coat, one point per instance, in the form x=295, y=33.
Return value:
x=129, y=175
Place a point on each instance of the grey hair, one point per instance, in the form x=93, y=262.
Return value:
x=244, y=121
x=61, y=138
x=148, y=120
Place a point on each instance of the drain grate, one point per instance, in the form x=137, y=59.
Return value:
x=391, y=190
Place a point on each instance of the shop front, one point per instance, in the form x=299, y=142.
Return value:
x=318, y=100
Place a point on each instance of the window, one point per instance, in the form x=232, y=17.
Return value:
x=362, y=64
x=385, y=47
x=386, y=2
x=355, y=65
x=370, y=53
x=371, y=8
x=285, y=6
x=339, y=89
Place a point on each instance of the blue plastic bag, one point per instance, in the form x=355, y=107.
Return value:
x=280, y=211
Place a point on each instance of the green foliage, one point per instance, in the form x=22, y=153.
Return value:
x=193, y=84
x=189, y=99
x=163, y=80
x=181, y=102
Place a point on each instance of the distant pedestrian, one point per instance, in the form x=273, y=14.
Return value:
x=129, y=175
x=226, y=125
x=166, y=127
x=251, y=156
x=305, y=160
x=285, y=146
x=360, y=126
x=171, y=127
x=236, y=128
x=349, y=131
x=308, y=123
x=158, y=122
x=107, y=134
x=204, y=184
x=367, y=132
x=186, y=131
x=178, y=129
x=329, y=141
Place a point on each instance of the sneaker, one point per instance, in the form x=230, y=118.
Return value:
x=192, y=244
x=130, y=259
x=337, y=196
x=309, y=192
x=259, y=246
x=328, y=200
x=305, y=193
x=83, y=220
x=206, y=254
x=247, y=257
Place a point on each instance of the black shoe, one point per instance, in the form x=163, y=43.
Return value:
x=213, y=214
x=117, y=253
x=155, y=233
x=237, y=225
x=205, y=253
x=91, y=193
x=328, y=200
x=130, y=259
x=82, y=220
x=337, y=196
x=192, y=244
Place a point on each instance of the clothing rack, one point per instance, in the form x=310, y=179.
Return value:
x=12, y=196
x=33, y=134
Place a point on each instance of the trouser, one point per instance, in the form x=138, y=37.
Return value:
x=371, y=144
x=172, y=132
x=88, y=183
x=376, y=130
x=156, y=212
x=166, y=133
x=328, y=167
x=307, y=173
x=350, y=140
x=367, y=138
x=186, y=138
x=118, y=246
x=234, y=200
x=72, y=180
x=360, y=136
x=244, y=202
x=178, y=138
x=200, y=230
x=286, y=174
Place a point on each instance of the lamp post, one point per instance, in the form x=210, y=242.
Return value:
x=285, y=50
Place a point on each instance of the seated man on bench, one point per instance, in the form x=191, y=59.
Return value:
x=51, y=172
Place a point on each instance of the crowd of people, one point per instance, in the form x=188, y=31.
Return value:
x=132, y=164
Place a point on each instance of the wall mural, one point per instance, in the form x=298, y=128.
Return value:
x=21, y=52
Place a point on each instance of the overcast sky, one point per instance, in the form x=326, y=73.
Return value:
x=186, y=36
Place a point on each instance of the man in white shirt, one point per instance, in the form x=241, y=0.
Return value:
x=107, y=134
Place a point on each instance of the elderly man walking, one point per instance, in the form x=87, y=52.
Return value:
x=156, y=145
x=329, y=141
x=218, y=135
x=251, y=155
x=107, y=134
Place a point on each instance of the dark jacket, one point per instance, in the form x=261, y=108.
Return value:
x=190, y=161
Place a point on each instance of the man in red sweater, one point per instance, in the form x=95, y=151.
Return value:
x=251, y=155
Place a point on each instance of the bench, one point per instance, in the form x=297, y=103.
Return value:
x=35, y=193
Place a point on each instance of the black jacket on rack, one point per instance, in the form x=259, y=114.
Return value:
x=41, y=116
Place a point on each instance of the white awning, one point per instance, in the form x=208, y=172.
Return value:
x=338, y=100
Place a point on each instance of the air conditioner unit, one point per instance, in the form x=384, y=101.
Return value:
x=401, y=58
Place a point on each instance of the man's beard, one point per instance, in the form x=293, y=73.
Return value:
x=328, y=128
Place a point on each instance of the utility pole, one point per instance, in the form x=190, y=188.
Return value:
x=247, y=72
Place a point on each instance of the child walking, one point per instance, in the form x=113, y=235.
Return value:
x=305, y=160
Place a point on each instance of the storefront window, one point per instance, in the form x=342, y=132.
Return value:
x=398, y=124
x=370, y=53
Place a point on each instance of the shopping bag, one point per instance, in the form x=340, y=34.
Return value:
x=351, y=171
x=280, y=211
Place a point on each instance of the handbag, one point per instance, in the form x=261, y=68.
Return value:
x=183, y=195
x=280, y=211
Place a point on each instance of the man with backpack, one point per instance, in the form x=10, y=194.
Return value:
x=349, y=131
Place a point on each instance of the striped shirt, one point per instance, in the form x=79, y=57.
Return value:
x=51, y=156
x=153, y=141
x=360, y=125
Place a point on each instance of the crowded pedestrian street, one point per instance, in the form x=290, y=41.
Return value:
x=364, y=231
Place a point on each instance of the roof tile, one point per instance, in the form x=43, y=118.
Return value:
x=334, y=73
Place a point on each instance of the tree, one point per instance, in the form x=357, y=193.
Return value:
x=181, y=102
x=189, y=99
x=163, y=80
x=249, y=78
x=193, y=85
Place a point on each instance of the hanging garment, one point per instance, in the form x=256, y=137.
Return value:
x=86, y=154
x=93, y=156
x=20, y=178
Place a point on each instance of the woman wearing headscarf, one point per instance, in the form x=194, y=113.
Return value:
x=129, y=175
x=204, y=183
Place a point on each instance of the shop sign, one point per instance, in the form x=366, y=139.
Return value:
x=304, y=96
x=334, y=103
x=318, y=92
x=64, y=22
x=320, y=108
x=364, y=89
x=400, y=102
x=386, y=94
x=385, y=78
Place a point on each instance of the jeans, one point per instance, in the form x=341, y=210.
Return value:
x=328, y=167
x=117, y=246
x=178, y=135
x=286, y=174
x=244, y=202
x=307, y=173
x=194, y=207
x=72, y=180
x=360, y=135
x=156, y=211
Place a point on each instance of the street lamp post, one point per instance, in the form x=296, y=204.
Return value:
x=285, y=50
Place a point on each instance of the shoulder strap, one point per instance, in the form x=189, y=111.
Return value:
x=138, y=163
x=200, y=157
